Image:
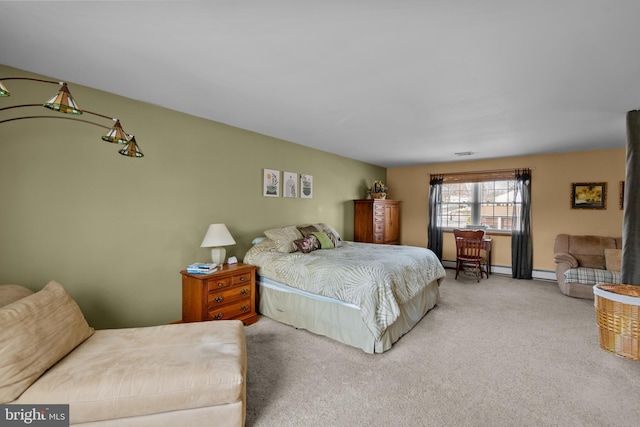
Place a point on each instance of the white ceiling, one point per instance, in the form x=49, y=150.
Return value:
x=393, y=83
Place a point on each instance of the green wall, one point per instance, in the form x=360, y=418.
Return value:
x=116, y=231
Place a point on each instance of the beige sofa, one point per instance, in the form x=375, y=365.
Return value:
x=171, y=375
x=585, y=261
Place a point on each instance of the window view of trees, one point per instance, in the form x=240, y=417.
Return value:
x=489, y=204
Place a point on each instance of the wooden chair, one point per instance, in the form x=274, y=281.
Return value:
x=469, y=245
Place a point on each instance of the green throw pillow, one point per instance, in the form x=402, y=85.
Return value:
x=325, y=241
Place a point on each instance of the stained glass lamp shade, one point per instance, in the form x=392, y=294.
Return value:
x=116, y=135
x=131, y=149
x=63, y=102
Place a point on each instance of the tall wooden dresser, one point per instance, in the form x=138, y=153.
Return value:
x=377, y=221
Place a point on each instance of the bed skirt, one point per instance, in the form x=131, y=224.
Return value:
x=336, y=319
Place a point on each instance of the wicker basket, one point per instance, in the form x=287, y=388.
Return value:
x=618, y=316
x=379, y=195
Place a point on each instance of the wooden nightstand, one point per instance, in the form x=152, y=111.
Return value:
x=229, y=293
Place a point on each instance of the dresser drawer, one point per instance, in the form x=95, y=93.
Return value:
x=378, y=238
x=241, y=278
x=228, y=295
x=231, y=311
x=214, y=285
x=378, y=227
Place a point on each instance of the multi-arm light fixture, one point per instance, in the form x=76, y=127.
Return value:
x=64, y=103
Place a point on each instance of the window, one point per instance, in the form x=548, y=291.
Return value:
x=478, y=202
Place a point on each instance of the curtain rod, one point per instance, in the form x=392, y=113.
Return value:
x=485, y=171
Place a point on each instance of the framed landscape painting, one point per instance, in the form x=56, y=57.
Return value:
x=589, y=195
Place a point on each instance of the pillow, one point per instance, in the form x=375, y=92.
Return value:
x=11, y=293
x=332, y=233
x=325, y=241
x=307, y=244
x=258, y=240
x=283, y=238
x=613, y=259
x=37, y=331
x=306, y=230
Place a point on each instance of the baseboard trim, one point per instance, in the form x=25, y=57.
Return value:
x=500, y=269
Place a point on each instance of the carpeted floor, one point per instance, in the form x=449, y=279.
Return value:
x=501, y=352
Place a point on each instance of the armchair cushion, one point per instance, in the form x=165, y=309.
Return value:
x=37, y=331
x=564, y=257
x=613, y=259
x=591, y=276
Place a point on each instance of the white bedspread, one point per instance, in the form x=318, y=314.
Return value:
x=377, y=278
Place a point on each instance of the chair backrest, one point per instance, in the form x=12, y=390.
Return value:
x=469, y=234
x=468, y=244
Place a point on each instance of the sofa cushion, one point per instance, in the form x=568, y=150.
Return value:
x=120, y=373
x=613, y=259
x=11, y=293
x=589, y=250
x=37, y=331
x=591, y=276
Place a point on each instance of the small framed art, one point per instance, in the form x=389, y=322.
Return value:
x=621, y=194
x=306, y=185
x=290, y=183
x=271, y=183
x=589, y=195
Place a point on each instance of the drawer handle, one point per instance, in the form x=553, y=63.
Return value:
x=219, y=299
x=244, y=308
x=220, y=284
x=244, y=292
x=218, y=316
x=242, y=279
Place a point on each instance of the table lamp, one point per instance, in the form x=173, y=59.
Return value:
x=217, y=236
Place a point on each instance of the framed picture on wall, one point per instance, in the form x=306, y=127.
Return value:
x=271, y=183
x=290, y=184
x=306, y=185
x=589, y=195
x=621, y=194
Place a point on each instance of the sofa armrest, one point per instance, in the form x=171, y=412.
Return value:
x=566, y=258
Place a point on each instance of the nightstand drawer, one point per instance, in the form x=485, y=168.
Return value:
x=231, y=311
x=229, y=295
x=241, y=278
x=214, y=285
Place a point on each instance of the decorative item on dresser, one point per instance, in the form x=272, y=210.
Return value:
x=377, y=221
x=229, y=293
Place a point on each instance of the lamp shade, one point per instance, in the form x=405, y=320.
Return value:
x=63, y=102
x=3, y=90
x=116, y=135
x=132, y=149
x=217, y=235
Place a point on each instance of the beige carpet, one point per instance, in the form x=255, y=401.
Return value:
x=502, y=352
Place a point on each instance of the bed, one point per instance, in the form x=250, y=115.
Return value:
x=361, y=294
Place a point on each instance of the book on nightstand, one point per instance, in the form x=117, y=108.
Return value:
x=201, y=268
